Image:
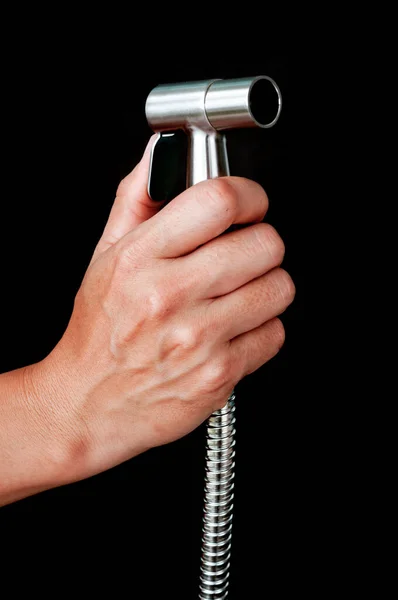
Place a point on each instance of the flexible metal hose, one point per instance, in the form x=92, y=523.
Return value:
x=218, y=503
x=204, y=110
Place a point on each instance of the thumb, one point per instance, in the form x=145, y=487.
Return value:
x=132, y=204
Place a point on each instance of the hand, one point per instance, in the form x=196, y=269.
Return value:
x=171, y=314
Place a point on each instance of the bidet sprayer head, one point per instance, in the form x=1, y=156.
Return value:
x=203, y=109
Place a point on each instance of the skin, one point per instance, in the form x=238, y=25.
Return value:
x=169, y=317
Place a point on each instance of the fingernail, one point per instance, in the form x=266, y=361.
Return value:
x=149, y=145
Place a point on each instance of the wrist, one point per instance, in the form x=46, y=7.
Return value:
x=41, y=445
x=55, y=388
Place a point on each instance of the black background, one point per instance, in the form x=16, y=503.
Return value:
x=74, y=125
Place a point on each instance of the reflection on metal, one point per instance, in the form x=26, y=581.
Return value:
x=204, y=109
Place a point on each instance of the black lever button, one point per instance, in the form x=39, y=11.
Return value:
x=167, y=172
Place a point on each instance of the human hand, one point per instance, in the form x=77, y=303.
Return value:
x=169, y=317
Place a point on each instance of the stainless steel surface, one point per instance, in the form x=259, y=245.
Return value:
x=203, y=109
x=178, y=106
x=218, y=503
x=207, y=156
x=182, y=106
x=228, y=102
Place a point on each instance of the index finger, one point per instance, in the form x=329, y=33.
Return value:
x=202, y=213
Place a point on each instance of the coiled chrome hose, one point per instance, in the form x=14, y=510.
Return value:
x=218, y=503
x=204, y=110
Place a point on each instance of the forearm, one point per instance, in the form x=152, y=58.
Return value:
x=35, y=454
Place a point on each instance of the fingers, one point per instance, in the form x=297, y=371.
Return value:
x=230, y=261
x=132, y=205
x=200, y=214
x=254, y=348
x=251, y=305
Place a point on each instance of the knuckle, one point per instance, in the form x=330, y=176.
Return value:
x=270, y=241
x=278, y=333
x=255, y=193
x=121, y=188
x=125, y=184
x=285, y=284
x=218, y=374
x=183, y=338
x=257, y=190
x=156, y=302
x=223, y=196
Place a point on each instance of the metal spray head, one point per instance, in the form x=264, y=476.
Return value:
x=203, y=110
